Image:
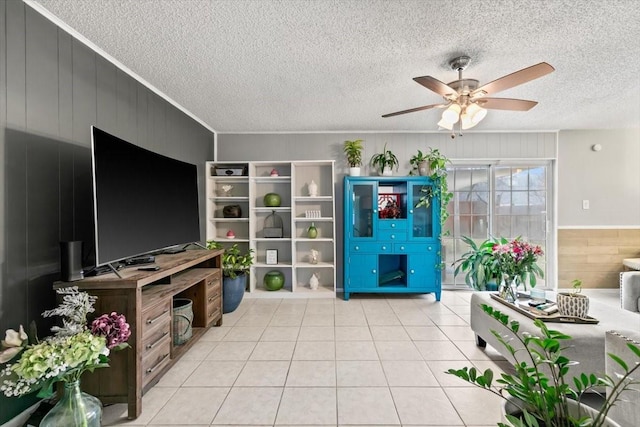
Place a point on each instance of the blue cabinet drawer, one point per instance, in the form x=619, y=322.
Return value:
x=371, y=248
x=392, y=224
x=416, y=248
x=392, y=236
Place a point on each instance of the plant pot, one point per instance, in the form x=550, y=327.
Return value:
x=233, y=292
x=424, y=169
x=387, y=171
x=572, y=305
x=354, y=171
x=575, y=409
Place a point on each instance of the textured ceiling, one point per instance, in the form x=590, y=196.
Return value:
x=329, y=65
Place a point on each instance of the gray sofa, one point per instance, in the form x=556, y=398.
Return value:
x=630, y=290
x=627, y=411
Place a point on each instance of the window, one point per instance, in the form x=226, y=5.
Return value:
x=497, y=200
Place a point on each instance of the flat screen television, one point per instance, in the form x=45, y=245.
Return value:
x=143, y=201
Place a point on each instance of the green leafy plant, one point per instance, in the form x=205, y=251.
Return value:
x=234, y=262
x=440, y=188
x=353, y=151
x=576, y=284
x=76, y=347
x=383, y=160
x=416, y=160
x=478, y=263
x=540, y=388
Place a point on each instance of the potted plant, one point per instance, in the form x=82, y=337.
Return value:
x=235, y=270
x=539, y=393
x=425, y=164
x=419, y=164
x=385, y=162
x=438, y=173
x=479, y=264
x=573, y=303
x=353, y=151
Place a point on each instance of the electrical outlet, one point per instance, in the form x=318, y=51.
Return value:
x=585, y=204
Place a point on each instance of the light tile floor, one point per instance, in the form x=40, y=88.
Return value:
x=373, y=360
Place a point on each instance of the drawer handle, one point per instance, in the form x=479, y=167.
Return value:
x=393, y=236
x=160, y=316
x=150, y=370
x=402, y=248
x=384, y=248
x=393, y=226
x=214, y=313
x=357, y=248
x=150, y=346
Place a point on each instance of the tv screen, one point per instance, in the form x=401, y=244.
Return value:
x=143, y=201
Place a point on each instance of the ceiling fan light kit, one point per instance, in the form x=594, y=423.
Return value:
x=466, y=103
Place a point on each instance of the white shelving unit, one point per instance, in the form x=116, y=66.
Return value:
x=298, y=210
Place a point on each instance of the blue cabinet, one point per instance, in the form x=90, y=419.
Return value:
x=390, y=245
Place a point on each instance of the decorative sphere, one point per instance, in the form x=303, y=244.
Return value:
x=273, y=280
x=272, y=200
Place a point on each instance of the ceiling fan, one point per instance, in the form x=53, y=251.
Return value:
x=467, y=102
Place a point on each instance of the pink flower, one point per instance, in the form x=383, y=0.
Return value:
x=113, y=327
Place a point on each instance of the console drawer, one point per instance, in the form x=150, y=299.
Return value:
x=155, y=317
x=392, y=224
x=156, y=337
x=155, y=361
x=420, y=248
x=392, y=235
x=213, y=286
x=370, y=247
x=214, y=309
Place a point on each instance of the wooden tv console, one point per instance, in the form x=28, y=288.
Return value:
x=145, y=298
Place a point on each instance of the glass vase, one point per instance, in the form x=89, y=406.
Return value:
x=509, y=288
x=74, y=409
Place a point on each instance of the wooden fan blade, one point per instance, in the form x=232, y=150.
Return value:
x=413, y=110
x=436, y=85
x=514, y=79
x=506, y=104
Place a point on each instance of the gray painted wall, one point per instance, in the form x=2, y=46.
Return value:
x=609, y=179
x=52, y=88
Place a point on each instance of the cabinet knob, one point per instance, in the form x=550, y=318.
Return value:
x=413, y=271
x=410, y=211
x=393, y=236
x=429, y=248
x=402, y=248
x=374, y=271
x=393, y=226
x=384, y=248
x=357, y=248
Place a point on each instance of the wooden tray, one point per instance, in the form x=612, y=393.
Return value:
x=555, y=317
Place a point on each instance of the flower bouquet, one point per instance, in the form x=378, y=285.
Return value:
x=74, y=348
x=516, y=261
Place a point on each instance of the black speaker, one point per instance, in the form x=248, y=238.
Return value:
x=71, y=261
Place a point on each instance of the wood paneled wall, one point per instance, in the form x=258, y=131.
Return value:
x=595, y=255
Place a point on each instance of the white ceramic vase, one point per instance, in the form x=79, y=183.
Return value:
x=354, y=171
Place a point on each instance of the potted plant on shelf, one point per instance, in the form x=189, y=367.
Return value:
x=539, y=393
x=235, y=271
x=479, y=264
x=385, y=162
x=353, y=151
x=437, y=163
x=425, y=164
x=573, y=303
